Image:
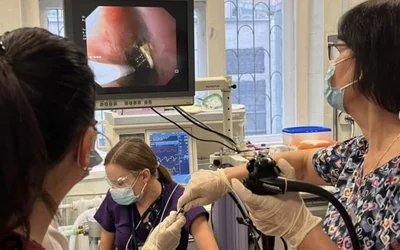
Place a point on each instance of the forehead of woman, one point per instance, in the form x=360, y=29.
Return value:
x=115, y=171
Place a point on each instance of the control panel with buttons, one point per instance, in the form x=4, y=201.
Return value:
x=142, y=103
x=112, y=104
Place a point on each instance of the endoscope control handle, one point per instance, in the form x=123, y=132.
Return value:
x=263, y=168
x=276, y=185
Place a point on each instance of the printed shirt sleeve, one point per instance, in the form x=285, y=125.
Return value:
x=104, y=215
x=329, y=162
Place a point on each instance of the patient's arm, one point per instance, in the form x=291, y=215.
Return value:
x=107, y=240
x=202, y=234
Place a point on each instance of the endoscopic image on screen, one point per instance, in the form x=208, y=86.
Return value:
x=131, y=46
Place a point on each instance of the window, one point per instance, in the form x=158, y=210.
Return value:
x=55, y=21
x=253, y=31
x=200, y=47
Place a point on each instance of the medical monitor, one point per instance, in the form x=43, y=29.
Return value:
x=176, y=150
x=141, y=51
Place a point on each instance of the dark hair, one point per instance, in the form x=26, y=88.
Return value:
x=372, y=31
x=135, y=155
x=46, y=102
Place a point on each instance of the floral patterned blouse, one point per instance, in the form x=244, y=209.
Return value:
x=372, y=201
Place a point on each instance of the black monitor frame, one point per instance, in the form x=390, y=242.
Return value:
x=138, y=98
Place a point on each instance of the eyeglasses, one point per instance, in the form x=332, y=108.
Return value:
x=123, y=182
x=334, y=50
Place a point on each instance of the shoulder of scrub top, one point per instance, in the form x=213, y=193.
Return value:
x=108, y=212
x=192, y=214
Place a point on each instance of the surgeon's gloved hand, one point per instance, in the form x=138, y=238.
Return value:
x=280, y=215
x=167, y=235
x=204, y=187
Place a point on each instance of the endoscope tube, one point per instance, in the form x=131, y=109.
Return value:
x=282, y=185
x=268, y=242
x=247, y=219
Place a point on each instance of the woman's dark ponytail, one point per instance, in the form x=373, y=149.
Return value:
x=22, y=152
x=46, y=102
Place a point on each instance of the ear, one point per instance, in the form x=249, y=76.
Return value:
x=86, y=144
x=146, y=175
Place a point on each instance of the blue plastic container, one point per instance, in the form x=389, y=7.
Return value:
x=295, y=135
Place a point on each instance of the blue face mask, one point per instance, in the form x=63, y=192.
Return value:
x=126, y=196
x=335, y=96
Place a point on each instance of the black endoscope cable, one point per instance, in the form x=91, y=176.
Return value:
x=264, y=179
x=191, y=135
x=246, y=221
x=301, y=186
x=200, y=124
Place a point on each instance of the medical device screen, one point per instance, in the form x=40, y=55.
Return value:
x=172, y=150
x=137, y=47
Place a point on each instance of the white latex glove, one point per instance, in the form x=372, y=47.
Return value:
x=167, y=234
x=280, y=215
x=204, y=187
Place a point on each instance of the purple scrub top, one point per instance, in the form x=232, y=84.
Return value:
x=116, y=218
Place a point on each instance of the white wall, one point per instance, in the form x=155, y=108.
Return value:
x=316, y=69
x=18, y=13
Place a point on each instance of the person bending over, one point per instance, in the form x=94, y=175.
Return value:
x=142, y=193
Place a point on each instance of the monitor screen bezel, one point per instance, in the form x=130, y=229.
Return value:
x=192, y=144
x=69, y=19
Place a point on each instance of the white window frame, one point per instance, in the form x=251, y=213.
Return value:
x=202, y=57
x=200, y=8
x=44, y=6
x=217, y=60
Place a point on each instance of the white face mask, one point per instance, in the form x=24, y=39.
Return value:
x=126, y=196
x=335, y=96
